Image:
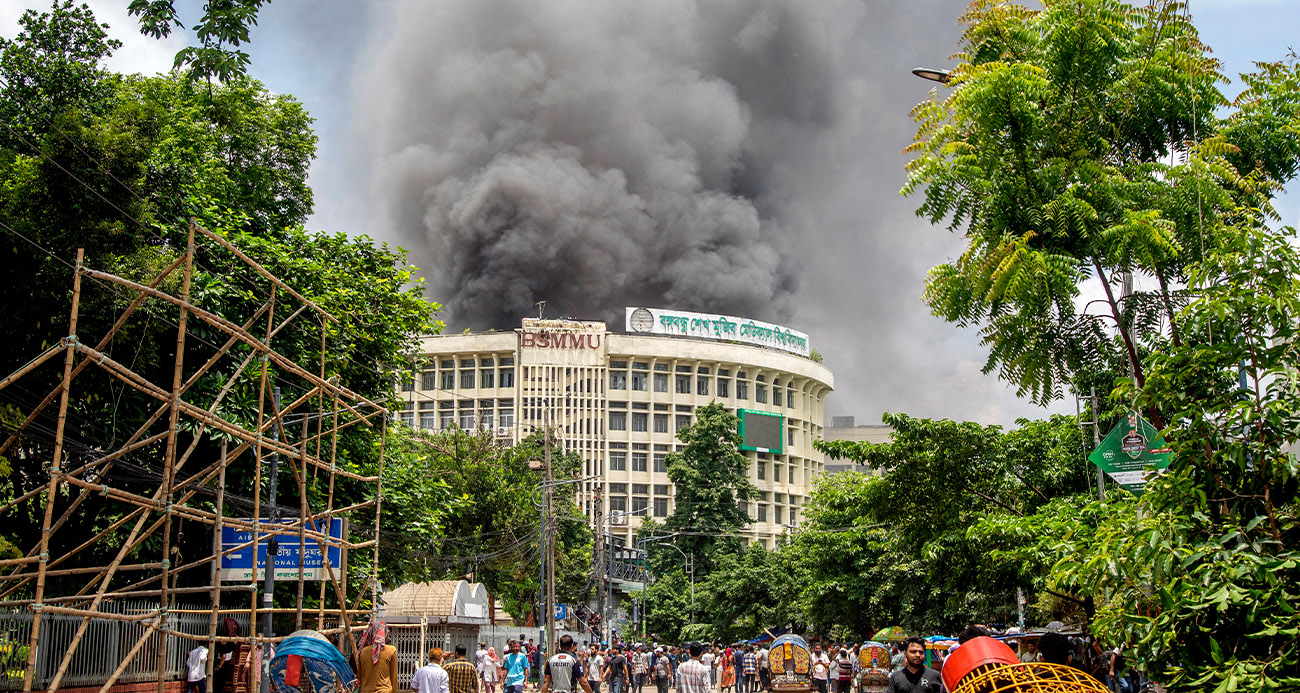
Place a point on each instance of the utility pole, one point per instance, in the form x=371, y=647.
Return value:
x=547, y=510
x=272, y=546
x=1096, y=443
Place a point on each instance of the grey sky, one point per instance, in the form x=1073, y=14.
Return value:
x=813, y=116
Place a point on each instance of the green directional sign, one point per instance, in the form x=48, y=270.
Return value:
x=1129, y=450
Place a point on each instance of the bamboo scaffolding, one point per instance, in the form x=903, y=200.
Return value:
x=171, y=499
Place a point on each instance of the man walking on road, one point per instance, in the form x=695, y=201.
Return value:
x=821, y=668
x=692, y=675
x=430, y=678
x=461, y=676
x=915, y=677
x=563, y=672
x=516, y=669
x=616, y=671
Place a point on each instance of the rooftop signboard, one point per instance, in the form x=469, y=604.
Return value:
x=724, y=328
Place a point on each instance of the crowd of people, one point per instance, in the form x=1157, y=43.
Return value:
x=708, y=668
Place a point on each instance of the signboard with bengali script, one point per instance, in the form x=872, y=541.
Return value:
x=680, y=323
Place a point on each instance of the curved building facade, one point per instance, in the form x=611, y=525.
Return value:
x=618, y=399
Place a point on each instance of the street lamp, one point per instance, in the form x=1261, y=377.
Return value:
x=645, y=594
x=609, y=562
x=932, y=74
x=547, y=581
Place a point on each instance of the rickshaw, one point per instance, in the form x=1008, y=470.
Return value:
x=790, y=661
x=874, y=661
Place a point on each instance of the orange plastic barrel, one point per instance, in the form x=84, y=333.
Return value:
x=974, y=654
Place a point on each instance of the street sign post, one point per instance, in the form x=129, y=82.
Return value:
x=1129, y=450
x=237, y=566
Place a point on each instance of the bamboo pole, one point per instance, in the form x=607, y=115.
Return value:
x=103, y=342
x=269, y=561
x=43, y=556
x=130, y=655
x=263, y=271
x=216, y=569
x=230, y=328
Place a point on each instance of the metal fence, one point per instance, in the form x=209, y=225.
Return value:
x=106, y=643
x=103, y=647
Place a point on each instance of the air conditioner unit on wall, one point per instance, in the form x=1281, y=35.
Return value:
x=618, y=519
x=503, y=431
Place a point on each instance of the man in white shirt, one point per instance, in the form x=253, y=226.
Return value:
x=595, y=663
x=764, y=670
x=196, y=664
x=821, y=668
x=707, y=660
x=431, y=678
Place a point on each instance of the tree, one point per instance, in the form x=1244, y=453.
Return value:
x=905, y=531
x=1050, y=151
x=749, y=591
x=222, y=29
x=493, y=533
x=711, y=480
x=1080, y=143
x=115, y=165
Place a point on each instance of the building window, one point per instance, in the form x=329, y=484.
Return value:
x=639, y=422
x=506, y=418
x=661, y=463
x=485, y=377
x=742, y=389
x=507, y=377
x=618, y=504
x=448, y=380
x=408, y=417
x=638, y=381
x=640, y=489
x=429, y=380
x=618, y=461
x=760, y=394
x=639, y=504
x=639, y=462
x=776, y=475
x=723, y=387
x=408, y=385
x=661, y=382
x=778, y=510
x=701, y=386
x=620, y=489
x=618, y=364
x=683, y=421
x=446, y=415
x=762, y=470
x=467, y=419
x=661, y=507
x=683, y=384
x=661, y=423
x=791, y=470
x=618, y=421
x=467, y=380
x=762, y=512
x=776, y=396
x=617, y=380
x=447, y=363
x=790, y=437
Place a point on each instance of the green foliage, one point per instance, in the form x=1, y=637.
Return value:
x=904, y=533
x=493, y=532
x=749, y=591
x=115, y=165
x=52, y=66
x=1074, y=144
x=223, y=27
x=711, y=480
x=1092, y=135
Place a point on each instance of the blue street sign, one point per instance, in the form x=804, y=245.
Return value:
x=561, y=612
x=238, y=565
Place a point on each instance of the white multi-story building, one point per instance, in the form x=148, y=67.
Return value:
x=618, y=399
